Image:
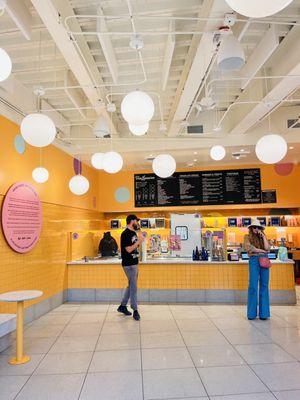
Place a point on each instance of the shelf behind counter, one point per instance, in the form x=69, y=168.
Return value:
x=176, y=280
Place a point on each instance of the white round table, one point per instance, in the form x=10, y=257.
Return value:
x=19, y=297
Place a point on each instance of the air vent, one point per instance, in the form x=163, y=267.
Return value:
x=294, y=123
x=195, y=129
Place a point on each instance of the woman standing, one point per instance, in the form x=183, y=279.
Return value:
x=257, y=246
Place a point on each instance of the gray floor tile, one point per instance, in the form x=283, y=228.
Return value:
x=74, y=344
x=253, y=396
x=167, y=358
x=46, y=331
x=113, y=386
x=53, y=319
x=10, y=386
x=279, y=377
x=230, y=380
x=116, y=360
x=52, y=387
x=66, y=363
x=33, y=346
x=174, y=383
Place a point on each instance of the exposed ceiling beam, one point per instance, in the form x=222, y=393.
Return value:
x=13, y=92
x=198, y=60
x=282, y=65
x=73, y=94
x=19, y=13
x=76, y=52
x=107, y=47
x=169, y=50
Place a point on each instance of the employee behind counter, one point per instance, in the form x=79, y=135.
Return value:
x=108, y=246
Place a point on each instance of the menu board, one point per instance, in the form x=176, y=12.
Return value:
x=240, y=186
x=269, y=196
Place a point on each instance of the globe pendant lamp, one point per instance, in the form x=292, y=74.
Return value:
x=270, y=149
x=137, y=108
x=258, y=8
x=38, y=130
x=231, y=56
x=112, y=162
x=139, y=130
x=5, y=65
x=97, y=160
x=79, y=185
x=164, y=165
x=40, y=175
x=217, y=153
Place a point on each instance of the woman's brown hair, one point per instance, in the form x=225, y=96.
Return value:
x=256, y=240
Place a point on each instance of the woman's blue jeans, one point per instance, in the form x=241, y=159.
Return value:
x=258, y=275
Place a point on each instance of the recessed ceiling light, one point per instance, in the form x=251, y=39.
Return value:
x=291, y=147
x=195, y=152
x=242, y=150
x=195, y=160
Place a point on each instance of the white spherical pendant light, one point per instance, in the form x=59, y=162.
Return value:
x=40, y=175
x=5, y=65
x=258, y=8
x=79, y=185
x=164, y=165
x=217, y=153
x=38, y=130
x=112, y=162
x=231, y=55
x=97, y=160
x=139, y=130
x=137, y=108
x=270, y=149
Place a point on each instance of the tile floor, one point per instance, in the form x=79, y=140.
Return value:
x=89, y=352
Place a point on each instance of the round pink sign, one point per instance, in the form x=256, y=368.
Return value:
x=22, y=217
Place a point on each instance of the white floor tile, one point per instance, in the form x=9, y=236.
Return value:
x=195, y=325
x=293, y=349
x=204, y=338
x=113, y=386
x=23, y=369
x=230, y=380
x=101, y=308
x=74, y=344
x=11, y=385
x=174, y=383
x=87, y=318
x=189, y=314
x=161, y=340
x=285, y=335
x=263, y=353
x=123, y=341
x=33, y=346
x=130, y=326
x=166, y=358
x=79, y=330
x=52, y=387
x=46, y=331
x=250, y=335
x=156, y=316
x=116, y=360
x=279, y=377
x=253, y=396
x=158, y=326
x=235, y=322
x=66, y=363
x=288, y=395
x=215, y=355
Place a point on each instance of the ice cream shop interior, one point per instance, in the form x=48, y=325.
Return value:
x=184, y=116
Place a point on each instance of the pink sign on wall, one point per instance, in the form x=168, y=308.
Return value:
x=22, y=217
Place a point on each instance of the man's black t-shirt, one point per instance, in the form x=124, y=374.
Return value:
x=128, y=238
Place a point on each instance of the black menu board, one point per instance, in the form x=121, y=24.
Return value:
x=240, y=186
x=168, y=191
x=269, y=196
x=145, y=190
x=189, y=188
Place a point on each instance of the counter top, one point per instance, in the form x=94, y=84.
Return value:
x=117, y=261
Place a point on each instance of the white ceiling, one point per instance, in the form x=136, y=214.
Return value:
x=104, y=67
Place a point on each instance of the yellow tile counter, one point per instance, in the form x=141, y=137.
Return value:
x=176, y=280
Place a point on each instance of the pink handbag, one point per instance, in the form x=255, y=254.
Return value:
x=264, y=262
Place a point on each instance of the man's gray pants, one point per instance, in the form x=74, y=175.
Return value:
x=131, y=272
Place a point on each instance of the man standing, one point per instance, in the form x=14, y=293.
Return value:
x=129, y=252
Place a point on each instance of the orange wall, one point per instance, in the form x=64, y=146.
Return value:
x=288, y=194
x=44, y=268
